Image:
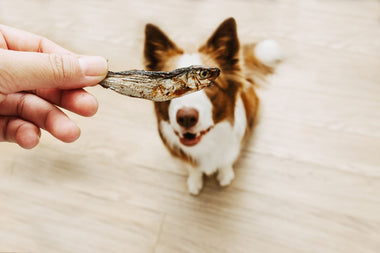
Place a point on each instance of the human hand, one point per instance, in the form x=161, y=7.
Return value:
x=36, y=77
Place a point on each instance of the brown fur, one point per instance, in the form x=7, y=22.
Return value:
x=253, y=67
x=157, y=48
x=221, y=50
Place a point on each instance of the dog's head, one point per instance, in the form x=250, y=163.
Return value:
x=192, y=116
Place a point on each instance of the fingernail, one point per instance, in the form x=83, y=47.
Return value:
x=93, y=65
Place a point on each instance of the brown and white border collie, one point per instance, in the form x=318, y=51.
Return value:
x=206, y=129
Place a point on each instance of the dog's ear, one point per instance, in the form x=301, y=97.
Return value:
x=224, y=46
x=157, y=47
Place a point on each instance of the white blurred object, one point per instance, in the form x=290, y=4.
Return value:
x=268, y=52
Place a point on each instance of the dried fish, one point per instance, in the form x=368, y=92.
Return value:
x=160, y=85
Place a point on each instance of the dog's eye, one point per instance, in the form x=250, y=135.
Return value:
x=204, y=74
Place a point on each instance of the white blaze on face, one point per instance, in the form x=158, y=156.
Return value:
x=189, y=59
x=197, y=100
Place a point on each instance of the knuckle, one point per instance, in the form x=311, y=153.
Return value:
x=21, y=105
x=7, y=79
x=4, y=134
x=9, y=127
x=59, y=68
x=47, y=120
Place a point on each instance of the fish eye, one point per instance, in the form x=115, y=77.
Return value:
x=204, y=74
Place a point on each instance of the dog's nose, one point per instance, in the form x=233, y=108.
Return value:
x=187, y=117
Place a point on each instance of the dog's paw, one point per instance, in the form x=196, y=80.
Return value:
x=195, y=184
x=225, y=176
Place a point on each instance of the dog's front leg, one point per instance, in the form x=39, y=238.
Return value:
x=226, y=175
x=195, y=180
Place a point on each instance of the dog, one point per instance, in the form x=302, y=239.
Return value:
x=206, y=130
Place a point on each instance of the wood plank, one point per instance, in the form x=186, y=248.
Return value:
x=307, y=182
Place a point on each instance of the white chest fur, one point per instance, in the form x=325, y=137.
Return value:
x=219, y=148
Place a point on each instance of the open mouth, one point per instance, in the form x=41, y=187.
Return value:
x=191, y=139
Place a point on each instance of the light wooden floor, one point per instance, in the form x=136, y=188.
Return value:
x=308, y=182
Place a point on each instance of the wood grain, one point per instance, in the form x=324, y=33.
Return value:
x=308, y=182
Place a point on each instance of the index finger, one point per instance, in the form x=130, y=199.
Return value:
x=19, y=40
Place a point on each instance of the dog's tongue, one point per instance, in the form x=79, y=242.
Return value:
x=190, y=139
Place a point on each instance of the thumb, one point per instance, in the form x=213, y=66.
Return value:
x=29, y=71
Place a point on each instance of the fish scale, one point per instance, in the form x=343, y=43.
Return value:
x=160, y=86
